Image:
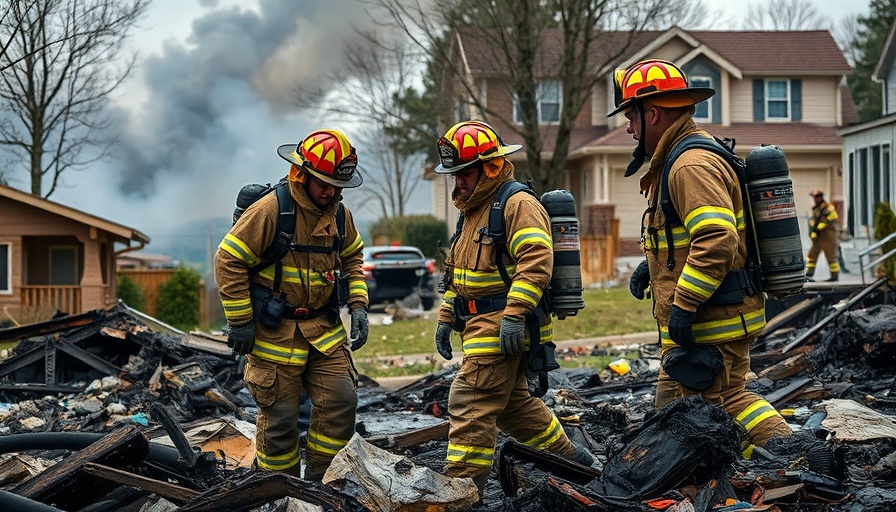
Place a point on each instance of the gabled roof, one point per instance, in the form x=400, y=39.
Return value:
x=810, y=52
x=747, y=135
x=73, y=214
x=885, y=62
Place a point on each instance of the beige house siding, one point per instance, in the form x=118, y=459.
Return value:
x=741, y=100
x=820, y=100
x=600, y=101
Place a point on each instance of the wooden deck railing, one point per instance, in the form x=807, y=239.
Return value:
x=49, y=297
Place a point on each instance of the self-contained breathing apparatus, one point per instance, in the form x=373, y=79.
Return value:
x=774, y=263
x=269, y=304
x=562, y=298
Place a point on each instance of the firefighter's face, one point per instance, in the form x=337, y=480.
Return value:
x=320, y=192
x=466, y=180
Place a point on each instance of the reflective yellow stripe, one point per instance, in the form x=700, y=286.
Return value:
x=680, y=238
x=330, y=338
x=704, y=216
x=821, y=226
x=278, y=462
x=756, y=413
x=237, y=308
x=741, y=224
x=480, y=278
x=547, y=332
x=548, y=436
x=239, y=250
x=748, y=452
x=357, y=287
x=482, y=345
x=698, y=282
x=721, y=330
x=525, y=292
x=472, y=455
x=353, y=248
x=278, y=354
x=303, y=276
x=527, y=236
x=449, y=295
x=324, y=444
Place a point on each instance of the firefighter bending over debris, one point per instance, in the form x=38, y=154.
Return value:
x=285, y=316
x=490, y=390
x=707, y=305
x=824, y=232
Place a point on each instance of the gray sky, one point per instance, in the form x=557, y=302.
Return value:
x=208, y=105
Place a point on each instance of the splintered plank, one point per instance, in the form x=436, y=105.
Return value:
x=781, y=396
x=411, y=438
x=66, y=483
x=788, y=367
x=799, y=309
x=164, y=489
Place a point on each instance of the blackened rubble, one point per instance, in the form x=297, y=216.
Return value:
x=826, y=360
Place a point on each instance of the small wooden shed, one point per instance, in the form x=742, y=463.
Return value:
x=56, y=258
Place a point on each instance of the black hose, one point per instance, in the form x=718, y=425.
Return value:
x=164, y=455
x=10, y=502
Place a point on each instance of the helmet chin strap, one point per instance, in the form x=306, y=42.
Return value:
x=639, y=154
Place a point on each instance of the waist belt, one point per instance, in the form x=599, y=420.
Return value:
x=734, y=287
x=294, y=313
x=469, y=307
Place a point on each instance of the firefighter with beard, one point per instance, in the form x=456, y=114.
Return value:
x=707, y=310
x=305, y=347
x=490, y=390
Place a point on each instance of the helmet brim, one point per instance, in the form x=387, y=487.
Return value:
x=502, y=151
x=288, y=152
x=690, y=96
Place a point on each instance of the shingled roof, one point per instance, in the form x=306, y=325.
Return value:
x=753, y=52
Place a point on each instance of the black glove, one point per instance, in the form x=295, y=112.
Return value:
x=443, y=340
x=513, y=336
x=640, y=280
x=360, y=328
x=680, y=322
x=241, y=338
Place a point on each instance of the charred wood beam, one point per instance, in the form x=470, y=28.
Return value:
x=187, y=453
x=781, y=396
x=261, y=488
x=164, y=489
x=789, y=367
x=87, y=358
x=764, y=359
x=39, y=388
x=791, y=314
x=66, y=483
x=412, y=438
x=50, y=326
x=825, y=321
x=22, y=360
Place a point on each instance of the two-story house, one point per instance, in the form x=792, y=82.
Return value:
x=781, y=88
x=868, y=160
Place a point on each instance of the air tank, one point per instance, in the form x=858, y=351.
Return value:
x=566, y=279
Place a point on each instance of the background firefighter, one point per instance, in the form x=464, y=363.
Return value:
x=705, y=340
x=825, y=234
x=304, y=346
x=490, y=389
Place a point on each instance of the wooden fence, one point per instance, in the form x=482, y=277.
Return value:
x=598, y=253
x=149, y=280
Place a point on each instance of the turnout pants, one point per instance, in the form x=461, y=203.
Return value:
x=331, y=383
x=826, y=243
x=758, y=417
x=488, y=393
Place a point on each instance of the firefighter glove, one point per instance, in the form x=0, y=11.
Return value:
x=241, y=338
x=513, y=336
x=640, y=281
x=680, y=322
x=443, y=340
x=360, y=328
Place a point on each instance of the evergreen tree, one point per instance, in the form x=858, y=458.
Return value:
x=869, y=43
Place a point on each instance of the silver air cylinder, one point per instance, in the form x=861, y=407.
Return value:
x=777, y=230
x=566, y=280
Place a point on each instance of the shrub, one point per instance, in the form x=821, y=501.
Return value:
x=423, y=231
x=179, y=299
x=131, y=293
x=884, y=225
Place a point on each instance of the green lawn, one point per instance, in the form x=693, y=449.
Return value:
x=607, y=311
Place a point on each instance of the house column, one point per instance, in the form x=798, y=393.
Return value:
x=93, y=291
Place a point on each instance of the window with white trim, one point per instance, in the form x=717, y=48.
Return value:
x=703, y=110
x=549, y=94
x=777, y=99
x=5, y=269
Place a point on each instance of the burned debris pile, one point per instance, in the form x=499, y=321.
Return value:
x=102, y=412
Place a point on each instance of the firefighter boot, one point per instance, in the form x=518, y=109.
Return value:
x=835, y=276
x=809, y=273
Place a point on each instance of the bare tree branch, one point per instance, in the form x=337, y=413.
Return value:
x=785, y=15
x=61, y=62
